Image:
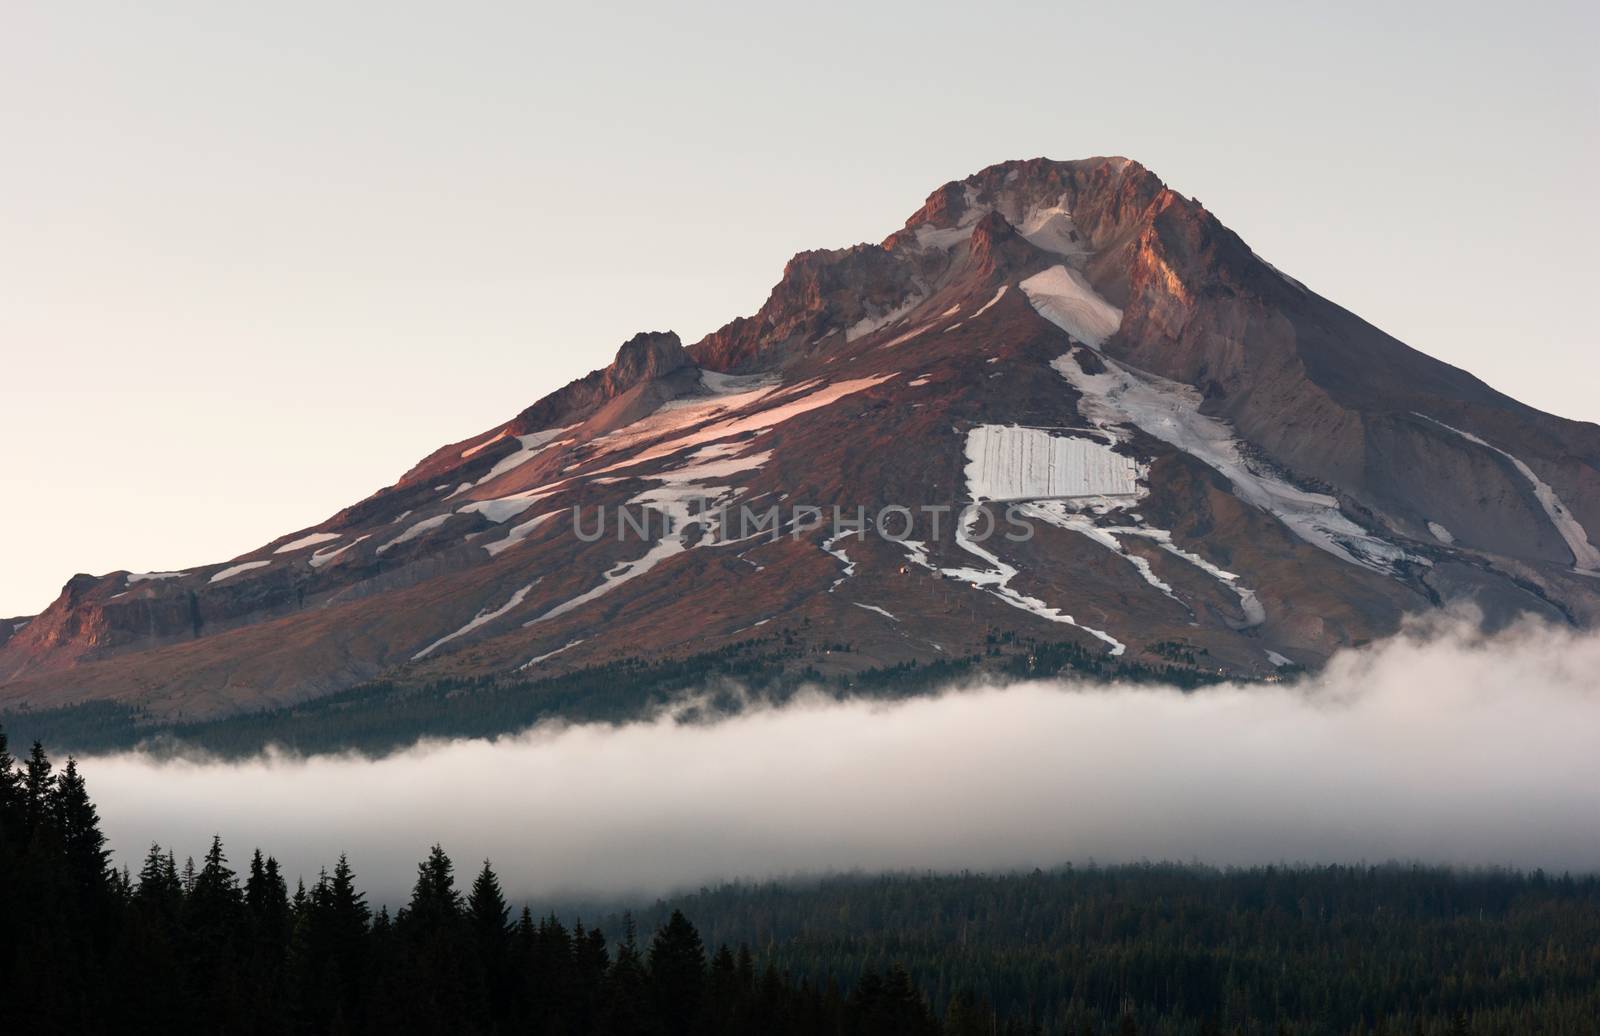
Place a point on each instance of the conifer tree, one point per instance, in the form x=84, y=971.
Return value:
x=159, y=889
x=628, y=1010
x=78, y=824
x=486, y=916
x=439, y=951
x=214, y=894
x=487, y=910
x=38, y=784
x=677, y=974
x=434, y=899
x=347, y=915
x=590, y=962
x=11, y=791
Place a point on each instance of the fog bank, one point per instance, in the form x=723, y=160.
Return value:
x=1437, y=746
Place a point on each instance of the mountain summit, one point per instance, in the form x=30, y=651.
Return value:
x=1217, y=470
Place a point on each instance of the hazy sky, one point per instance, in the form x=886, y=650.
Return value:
x=255, y=260
x=1444, y=749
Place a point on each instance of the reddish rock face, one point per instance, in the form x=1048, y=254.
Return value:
x=1222, y=468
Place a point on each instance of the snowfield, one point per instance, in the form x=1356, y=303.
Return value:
x=1063, y=297
x=1170, y=411
x=1050, y=227
x=1007, y=462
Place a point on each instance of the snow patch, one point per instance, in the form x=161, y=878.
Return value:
x=875, y=608
x=1062, y=296
x=1008, y=462
x=730, y=394
x=891, y=343
x=327, y=554
x=1057, y=513
x=482, y=618
x=675, y=498
x=1085, y=526
x=530, y=663
x=712, y=469
x=502, y=509
x=1441, y=534
x=233, y=570
x=802, y=400
x=1050, y=227
x=1278, y=660
x=1170, y=411
x=996, y=580
x=413, y=531
x=517, y=534
x=485, y=444
x=139, y=577
x=1584, y=555
x=307, y=541
x=867, y=325
x=945, y=238
x=986, y=306
x=828, y=547
x=732, y=384
x=531, y=446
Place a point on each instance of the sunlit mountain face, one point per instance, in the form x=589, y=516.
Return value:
x=1062, y=421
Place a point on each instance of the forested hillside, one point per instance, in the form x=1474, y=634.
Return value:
x=1181, y=948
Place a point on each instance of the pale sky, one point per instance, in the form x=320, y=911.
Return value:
x=257, y=259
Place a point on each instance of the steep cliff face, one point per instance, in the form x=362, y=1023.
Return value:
x=1220, y=470
x=1340, y=403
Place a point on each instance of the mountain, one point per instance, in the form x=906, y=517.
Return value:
x=1222, y=472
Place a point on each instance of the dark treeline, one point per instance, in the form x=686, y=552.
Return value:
x=1186, y=949
x=86, y=948
x=196, y=947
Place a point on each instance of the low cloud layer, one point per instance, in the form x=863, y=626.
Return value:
x=1438, y=746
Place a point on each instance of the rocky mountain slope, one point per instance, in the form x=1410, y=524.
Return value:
x=1220, y=470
